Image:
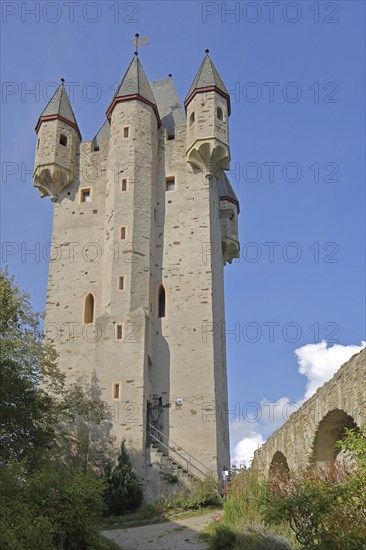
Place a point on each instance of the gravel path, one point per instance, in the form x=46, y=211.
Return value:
x=180, y=534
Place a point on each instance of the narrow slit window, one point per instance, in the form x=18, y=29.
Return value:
x=85, y=195
x=116, y=390
x=124, y=184
x=126, y=132
x=63, y=140
x=192, y=118
x=169, y=184
x=121, y=282
x=162, y=307
x=38, y=143
x=119, y=332
x=89, y=308
x=123, y=233
x=220, y=113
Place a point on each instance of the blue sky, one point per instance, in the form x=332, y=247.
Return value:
x=296, y=76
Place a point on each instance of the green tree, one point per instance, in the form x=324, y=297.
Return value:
x=42, y=418
x=46, y=502
x=123, y=491
x=29, y=378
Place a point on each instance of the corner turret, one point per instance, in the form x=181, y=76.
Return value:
x=57, y=145
x=134, y=85
x=208, y=108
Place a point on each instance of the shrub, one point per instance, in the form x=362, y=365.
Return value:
x=123, y=491
x=325, y=507
x=52, y=509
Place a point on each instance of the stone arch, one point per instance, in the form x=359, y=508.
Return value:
x=279, y=465
x=330, y=429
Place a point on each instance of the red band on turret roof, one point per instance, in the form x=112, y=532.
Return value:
x=226, y=198
x=130, y=98
x=58, y=117
x=208, y=89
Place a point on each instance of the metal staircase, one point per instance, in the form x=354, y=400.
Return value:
x=180, y=459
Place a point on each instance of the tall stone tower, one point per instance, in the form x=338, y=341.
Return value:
x=144, y=221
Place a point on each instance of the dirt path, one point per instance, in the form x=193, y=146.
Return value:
x=177, y=534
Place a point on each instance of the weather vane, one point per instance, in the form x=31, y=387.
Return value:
x=137, y=41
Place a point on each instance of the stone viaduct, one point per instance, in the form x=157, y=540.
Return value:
x=310, y=434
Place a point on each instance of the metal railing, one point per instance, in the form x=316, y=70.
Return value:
x=182, y=458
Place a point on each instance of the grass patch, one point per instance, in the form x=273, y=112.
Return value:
x=241, y=526
x=204, y=498
x=150, y=516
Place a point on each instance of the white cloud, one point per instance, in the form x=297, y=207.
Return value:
x=244, y=450
x=318, y=362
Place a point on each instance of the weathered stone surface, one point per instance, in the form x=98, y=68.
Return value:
x=176, y=364
x=310, y=434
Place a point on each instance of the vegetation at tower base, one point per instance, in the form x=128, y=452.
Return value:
x=46, y=503
x=320, y=508
x=123, y=491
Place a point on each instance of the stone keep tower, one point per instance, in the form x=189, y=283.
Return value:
x=144, y=221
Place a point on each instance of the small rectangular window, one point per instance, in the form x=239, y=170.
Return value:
x=123, y=233
x=116, y=390
x=126, y=132
x=170, y=184
x=63, y=140
x=85, y=195
x=124, y=184
x=121, y=282
x=119, y=332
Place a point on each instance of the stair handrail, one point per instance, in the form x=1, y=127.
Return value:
x=205, y=472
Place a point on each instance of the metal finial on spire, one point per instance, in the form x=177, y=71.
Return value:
x=170, y=75
x=62, y=81
x=137, y=41
x=207, y=51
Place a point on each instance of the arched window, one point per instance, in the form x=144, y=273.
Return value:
x=192, y=119
x=162, y=307
x=63, y=140
x=220, y=113
x=89, y=308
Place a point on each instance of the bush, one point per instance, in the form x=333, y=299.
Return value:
x=123, y=491
x=240, y=528
x=325, y=507
x=52, y=509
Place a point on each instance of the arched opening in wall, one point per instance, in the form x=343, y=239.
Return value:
x=330, y=430
x=279, y=466
x=63, y=140
x=220, y=113
x=192, y=118
x=161, y=302
x=89, y=308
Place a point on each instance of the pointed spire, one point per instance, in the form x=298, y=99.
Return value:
x=207, y=79
x=134, y=85
x=59, y=107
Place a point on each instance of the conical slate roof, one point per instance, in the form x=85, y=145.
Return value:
x=59, y=106
x=226, y=191
x=134, y=84
x=207, y=76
